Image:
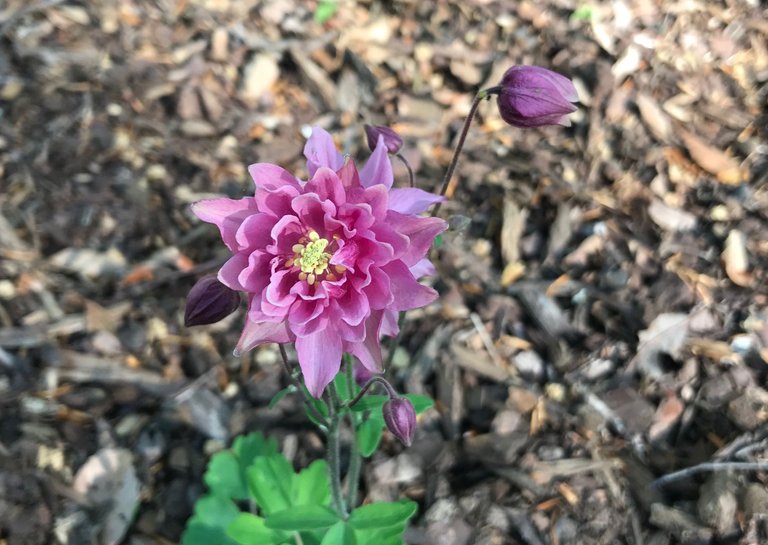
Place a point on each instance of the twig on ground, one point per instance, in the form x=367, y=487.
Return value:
x=708, y=466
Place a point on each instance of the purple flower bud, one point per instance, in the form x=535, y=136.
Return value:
x=392, y=140
x=362, y=374
x=209, y=301
x=400, y=418
x=531, y=96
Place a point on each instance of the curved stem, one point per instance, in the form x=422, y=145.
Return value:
x=380, y=380
x=408, y=166
x=485, y=93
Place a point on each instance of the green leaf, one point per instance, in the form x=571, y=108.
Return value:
x=198, y=532
x=311, y=486
x=439, y=241
x=216, y=510
x=381, y=536
x=224, y=476
x=270, y=479
x=420, y=402
x=281, y=394
x=302, y=517
x=325, y=10
x=342, y=387
x=248, y=529
x=369, y=435
x=583, y=13
x=339, y=534
x=249, y=447
x=369, y=403
x=212, y=516
x=382, y=514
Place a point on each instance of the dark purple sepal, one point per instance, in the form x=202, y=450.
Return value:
x=209, y=301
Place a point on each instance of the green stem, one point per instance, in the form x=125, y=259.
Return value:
x=355, y=460
x=300, y=389
x=333, y=451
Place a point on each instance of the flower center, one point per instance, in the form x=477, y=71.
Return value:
x=310, y=257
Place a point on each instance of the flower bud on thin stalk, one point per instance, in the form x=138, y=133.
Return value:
x=400, y=418
x=528, y=96
x=209, y=301
x=393, y=143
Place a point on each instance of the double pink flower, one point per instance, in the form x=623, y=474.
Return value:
x=327, y=263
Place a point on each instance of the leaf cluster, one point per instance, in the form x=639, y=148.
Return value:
x=256, y=498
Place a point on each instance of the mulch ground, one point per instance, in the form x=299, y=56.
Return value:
x=603, y=320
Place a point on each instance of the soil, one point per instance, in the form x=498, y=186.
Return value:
x=603, y=320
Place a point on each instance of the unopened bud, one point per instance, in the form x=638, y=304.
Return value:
x=400, y=418
x=392, y=140
x=531, y=96
x=209, y=301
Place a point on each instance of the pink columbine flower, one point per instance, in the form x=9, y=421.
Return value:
x=326, y=263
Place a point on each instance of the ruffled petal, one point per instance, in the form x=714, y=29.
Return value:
x=253, y=233
x=327, y=185
x=319, y=358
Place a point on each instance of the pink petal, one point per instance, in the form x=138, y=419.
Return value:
x=319, y=359
x=378, y=168
x=327, y=185
x=278, y=291
x=256, y=333
x=353, y=307
x=276, y=203
x=226, y=214
x=253, y=232
x=230, y=272
x=408, y=293
x=255, y=276
x=348, y=174
x=314, y=213
x=377, y=291
x=421, y=232
x=271, y=177
x=389, y=325
x=411, y=200
x=286, y=232
x=423, y=268
x=346, y=255
x=369, y=350
x=321, y=151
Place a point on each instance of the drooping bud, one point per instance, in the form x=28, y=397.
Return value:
x=400, y=418
x=209, y=301
x=391, y=139
x=531, y=96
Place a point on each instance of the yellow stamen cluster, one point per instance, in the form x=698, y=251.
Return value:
x=310, y=256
